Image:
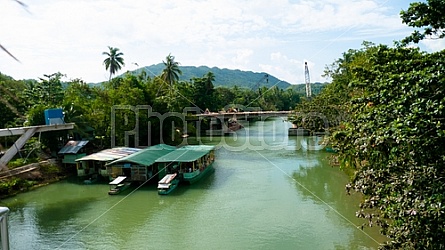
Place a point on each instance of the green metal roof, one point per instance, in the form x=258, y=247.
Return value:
x=186, y=154
x=147, y=156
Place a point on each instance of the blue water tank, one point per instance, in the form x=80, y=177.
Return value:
x=54, y=116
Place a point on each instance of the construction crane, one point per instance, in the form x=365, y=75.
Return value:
x=307, y=81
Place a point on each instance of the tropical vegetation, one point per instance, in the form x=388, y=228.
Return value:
x=386, y=108
x=90, y=106
x=114, y=60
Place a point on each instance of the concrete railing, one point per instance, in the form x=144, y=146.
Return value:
x=4, y=235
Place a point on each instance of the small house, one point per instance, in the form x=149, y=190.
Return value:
x=140, y=166
x=95, y=163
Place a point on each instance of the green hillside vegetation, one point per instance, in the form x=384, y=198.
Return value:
x=316, y=88
x=223, y=77
x=89, y=105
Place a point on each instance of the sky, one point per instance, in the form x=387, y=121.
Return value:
x=275, y=37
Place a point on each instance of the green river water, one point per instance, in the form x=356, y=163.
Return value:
x=267, y=192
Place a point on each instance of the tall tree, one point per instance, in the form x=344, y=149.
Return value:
x=170, y=74
x=203, y=91
x=430, y=15
x=391, y=141
x=48, y=91
x=114, y=60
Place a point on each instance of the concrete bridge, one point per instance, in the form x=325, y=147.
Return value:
x=245, y=114
x=225, y=123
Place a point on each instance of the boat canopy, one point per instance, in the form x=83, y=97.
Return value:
x=145, y=157
x=186, y=154
x=109, y=154
x=160, y=185
x=167, y=178
x=118, y=180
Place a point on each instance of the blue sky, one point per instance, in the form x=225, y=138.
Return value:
x=276, y=37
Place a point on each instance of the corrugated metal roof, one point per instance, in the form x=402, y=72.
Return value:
x=186, y=154
x=147, y=156
x=72, y=147
x=110, y=154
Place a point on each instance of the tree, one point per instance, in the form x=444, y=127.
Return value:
x=114, y=60
x=48, y=91
x=392, y=142
x=203, y=91
x=429, y=15
x=12, y=103
x=170, y=74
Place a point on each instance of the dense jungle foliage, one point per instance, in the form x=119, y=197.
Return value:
x=96, y=108
x=385, y=110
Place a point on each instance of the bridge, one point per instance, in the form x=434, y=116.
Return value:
x=245, y=114
x=25, y=134
x=225, y=123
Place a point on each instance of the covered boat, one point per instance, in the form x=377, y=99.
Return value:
x=118, y=185
x=167, y=184
x=191, y=162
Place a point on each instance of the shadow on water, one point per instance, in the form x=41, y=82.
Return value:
x=326, y=182
x=53, y=217
x=325, y=186
x=204, y=184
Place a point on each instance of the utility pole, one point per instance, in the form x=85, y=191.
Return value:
x=308, y=81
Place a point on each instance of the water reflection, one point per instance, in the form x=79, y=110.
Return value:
x=251, y=201
x=51, y=218
x=324, y=185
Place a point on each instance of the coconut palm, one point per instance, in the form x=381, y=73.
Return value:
x=170, y=74
x=114, y=60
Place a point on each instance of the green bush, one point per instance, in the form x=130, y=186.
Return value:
x=49, y=169
x=20, y=162
x=13, y=185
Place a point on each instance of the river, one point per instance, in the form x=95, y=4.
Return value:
x=267, y=192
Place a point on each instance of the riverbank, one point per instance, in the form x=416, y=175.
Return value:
x=30, y=177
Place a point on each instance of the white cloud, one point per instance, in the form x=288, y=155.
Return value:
x=434, y=45
x=284, y=68
x=242, y=56
x=69, y=36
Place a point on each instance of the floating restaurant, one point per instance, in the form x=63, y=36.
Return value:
x=187, y=164
x=140, y=166
x=191, y=163
x=94, y=164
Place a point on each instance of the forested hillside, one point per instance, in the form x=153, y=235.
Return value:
x=223, y=77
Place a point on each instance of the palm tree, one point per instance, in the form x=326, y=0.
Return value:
x=114, y=60
x=209, y=79
x=170, y=74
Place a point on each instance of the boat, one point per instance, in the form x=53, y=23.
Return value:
x=234, y=125
x=93, y=179
x=298, y=132
x=118, y=185
x=331, y=150
x=167, y=184
x=191, y=163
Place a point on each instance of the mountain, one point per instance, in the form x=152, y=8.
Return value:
x=223, y=77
